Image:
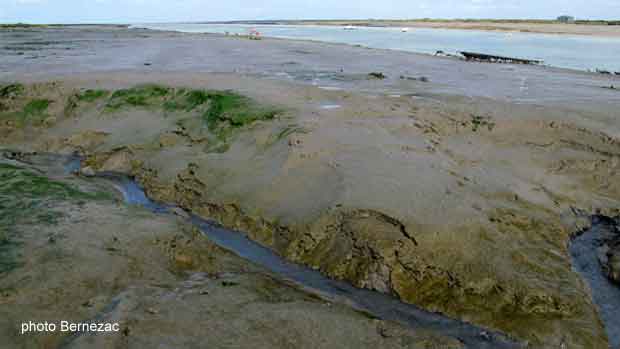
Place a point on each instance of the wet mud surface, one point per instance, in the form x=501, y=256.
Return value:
x=72, y=50
x=376, y=304
x=456, y=203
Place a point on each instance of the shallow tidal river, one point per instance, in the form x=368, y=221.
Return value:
x=565, y=51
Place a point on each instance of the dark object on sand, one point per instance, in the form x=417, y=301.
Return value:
x=605, y=72
x=482, y=57
x=377, y=75
x=421, y=78
x=441, y=53
x=609, y=252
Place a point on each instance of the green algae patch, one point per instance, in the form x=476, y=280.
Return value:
x=33, y=111
x=28, y=199
x=36, y=107
x=222, y=111
x=139, y=96
x=90, y=96
x=216, y=115
x=15, y=181
x=11, y=90
x=228, y=111
x=187, y=100
x=478, y=122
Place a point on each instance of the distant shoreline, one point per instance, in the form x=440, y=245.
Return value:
x=598, y=28
x=589, y=28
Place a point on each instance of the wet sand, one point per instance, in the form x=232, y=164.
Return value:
x=74, y=50
x=456, y=192
x=602, y=30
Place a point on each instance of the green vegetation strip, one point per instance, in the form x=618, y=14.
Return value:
x=27, y=198
x=91, y=95
x=222, y=111
x=11, y=90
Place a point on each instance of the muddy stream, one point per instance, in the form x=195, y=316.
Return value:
x=584, y=249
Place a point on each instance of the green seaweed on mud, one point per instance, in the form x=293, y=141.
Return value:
x=11, y=90
x=229, y=111
x=222, y=111
x=27, y=199
x=36, y=107
x=21, y=26
x=478, y=121
x=289, y=130
x=283, y=133
x=33, y=111
x=139, y=96
x=187, y=100
x=91, y=95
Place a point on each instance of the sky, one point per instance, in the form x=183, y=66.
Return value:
x=143, y=11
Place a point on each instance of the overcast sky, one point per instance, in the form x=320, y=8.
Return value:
x=136, y=11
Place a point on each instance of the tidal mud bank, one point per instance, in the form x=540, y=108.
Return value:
x=377, y=304
x=305, y=183
x=453, y=194
x=153, y=274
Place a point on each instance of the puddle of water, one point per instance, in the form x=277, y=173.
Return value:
x=330, y=88
x=606, y=295
x=330, y=106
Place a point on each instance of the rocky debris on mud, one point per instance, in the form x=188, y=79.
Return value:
x=609, y=253
x=411, y=78
x=377, y=75
x=88, y=171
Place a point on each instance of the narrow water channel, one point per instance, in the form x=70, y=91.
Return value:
x=584, y=251
x=377, y=304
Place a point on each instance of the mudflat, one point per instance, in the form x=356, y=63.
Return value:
x=453, y=185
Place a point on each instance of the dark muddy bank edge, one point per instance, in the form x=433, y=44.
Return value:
x=591, y=251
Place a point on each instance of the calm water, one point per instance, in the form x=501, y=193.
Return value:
x=567, y=51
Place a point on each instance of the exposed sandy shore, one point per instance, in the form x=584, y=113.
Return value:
x=505, y=26
x=457, y=192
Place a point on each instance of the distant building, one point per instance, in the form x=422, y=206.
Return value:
x=566, y=19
